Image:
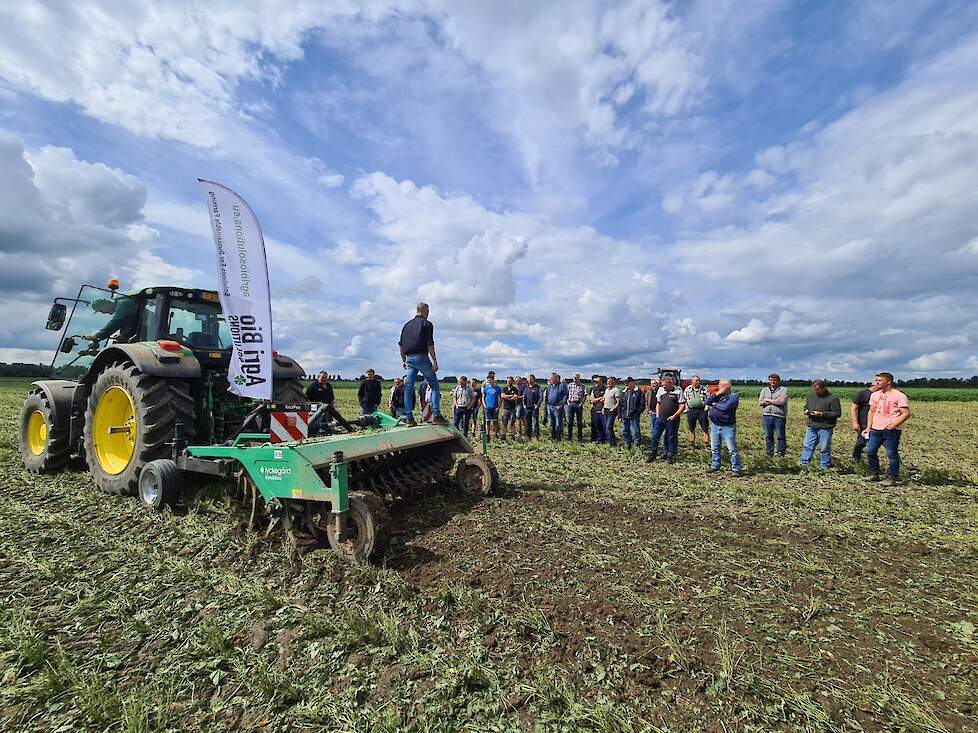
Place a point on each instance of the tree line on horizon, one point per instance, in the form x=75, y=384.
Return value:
x=40, y=371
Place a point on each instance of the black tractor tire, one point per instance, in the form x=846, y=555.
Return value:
x=476, y=475
x=45, y=450
x=289, y=391
x=158, y=403
x=160, y=483
x=368, y=530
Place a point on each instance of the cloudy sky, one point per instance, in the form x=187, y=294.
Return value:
x=731, y=187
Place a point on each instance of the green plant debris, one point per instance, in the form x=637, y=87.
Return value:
x=597, y=592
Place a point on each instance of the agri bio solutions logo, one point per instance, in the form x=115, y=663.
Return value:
x=248, y=340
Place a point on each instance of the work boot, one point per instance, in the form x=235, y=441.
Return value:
x=736, y=474
x=888, y=481
x=439, y=420
x=713, y=469
x=872, y=477
x=409, y=421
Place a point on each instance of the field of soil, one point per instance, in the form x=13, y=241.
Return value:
x=596, y=592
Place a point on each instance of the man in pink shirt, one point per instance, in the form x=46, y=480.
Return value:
x=888, y=410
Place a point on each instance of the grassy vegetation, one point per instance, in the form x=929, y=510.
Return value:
x=597, y=593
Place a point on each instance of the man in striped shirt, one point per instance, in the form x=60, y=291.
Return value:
x=575, y=408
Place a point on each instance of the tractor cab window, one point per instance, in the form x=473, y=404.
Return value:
x=147, y=320
x=198, y=324
x=91, y=314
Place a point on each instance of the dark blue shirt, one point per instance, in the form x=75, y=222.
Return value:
x=416, y=336
x=723, y=410
x=532, y=396
x=557, y=394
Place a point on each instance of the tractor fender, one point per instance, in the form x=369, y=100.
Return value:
x=59, y=394
x=149, y=358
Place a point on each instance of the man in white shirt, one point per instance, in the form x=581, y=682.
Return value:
x=612, y=398
x=462, y=398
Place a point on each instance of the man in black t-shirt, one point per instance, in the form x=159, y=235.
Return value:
x=368, y=393
x=321, y=390
x=596, y=399
x=859, y=412
x=510, y=397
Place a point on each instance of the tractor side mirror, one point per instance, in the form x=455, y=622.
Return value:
x=68, y=345
x=56, y=316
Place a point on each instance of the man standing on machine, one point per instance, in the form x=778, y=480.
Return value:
x=417, y=346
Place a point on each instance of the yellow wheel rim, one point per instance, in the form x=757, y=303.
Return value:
x=114, y=430
x=37, y=432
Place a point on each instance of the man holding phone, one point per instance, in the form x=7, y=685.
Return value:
x=889, y=408
x=723, y=427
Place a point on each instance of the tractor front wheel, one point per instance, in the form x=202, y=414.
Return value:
x=43, y=447
x=368, y=529
x=160, y=483
x=130, y=422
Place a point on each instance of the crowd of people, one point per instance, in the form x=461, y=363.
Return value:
x=513, y=409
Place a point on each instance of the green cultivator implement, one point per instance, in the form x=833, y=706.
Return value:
x=144, y=401
x=334, y=487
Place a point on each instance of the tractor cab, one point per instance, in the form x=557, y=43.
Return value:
x=99, y=317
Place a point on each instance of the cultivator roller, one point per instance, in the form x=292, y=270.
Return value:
x=404, y=474
x=339, y=485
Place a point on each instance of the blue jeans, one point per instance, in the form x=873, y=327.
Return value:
x=460, y=419
x=774, y=425
x=668, y=431
x=608, y=418
x=890, y=440
x=555, y=415
x=727, y=434
x=821, y=437
x=532, y=417
x=597, y=427
x=421, y=364
x=631, y=430
x=575, y=411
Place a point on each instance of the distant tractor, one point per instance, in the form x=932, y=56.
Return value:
x=673, y=372
x=150, y=404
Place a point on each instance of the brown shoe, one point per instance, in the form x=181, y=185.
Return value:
x=409, y=421
x=872, y=477
x=439, y=420
x=888, y=481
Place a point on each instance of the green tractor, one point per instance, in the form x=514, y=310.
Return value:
x=142, y=361
x=149, y=405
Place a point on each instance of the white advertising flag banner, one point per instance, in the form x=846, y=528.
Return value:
x=242, y=282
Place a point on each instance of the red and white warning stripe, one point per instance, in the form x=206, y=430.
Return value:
x=285, y=426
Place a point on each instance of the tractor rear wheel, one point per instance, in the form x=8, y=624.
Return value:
x=476, y=475
x=43, y=448
x=129, y=422
x=288, y=390
x=368, y=529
